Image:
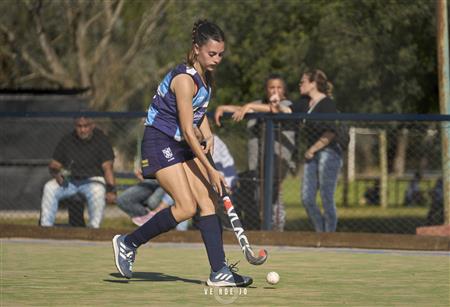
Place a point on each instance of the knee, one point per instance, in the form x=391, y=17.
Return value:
x=96, y=193
x=189, y=212
x=308, y=199
x=182, y=213
x=121, y=201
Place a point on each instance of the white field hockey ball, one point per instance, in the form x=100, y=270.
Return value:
x=273, y=278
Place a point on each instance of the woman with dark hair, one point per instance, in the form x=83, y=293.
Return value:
x=172, y=152
x=284, y=135
x=323, y=155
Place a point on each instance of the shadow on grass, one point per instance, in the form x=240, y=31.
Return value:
x=151, y=276
x=397, y=225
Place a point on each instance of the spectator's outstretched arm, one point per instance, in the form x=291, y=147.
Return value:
x=274, y=106
x=108, y=173
x=238, y=115
x=222, y=109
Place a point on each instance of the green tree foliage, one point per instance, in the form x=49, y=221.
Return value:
x=380, y=55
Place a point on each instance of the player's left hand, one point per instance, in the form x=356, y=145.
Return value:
x=208, y=145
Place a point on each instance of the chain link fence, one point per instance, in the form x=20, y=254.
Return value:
x=389, y=178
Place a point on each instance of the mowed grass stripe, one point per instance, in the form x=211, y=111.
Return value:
x=55, y=274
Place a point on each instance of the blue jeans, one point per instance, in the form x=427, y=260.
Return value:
x=135, y=200
x=321, y=173
x=146, y=195
x=93, y=189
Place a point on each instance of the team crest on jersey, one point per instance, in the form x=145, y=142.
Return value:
x=167, y=153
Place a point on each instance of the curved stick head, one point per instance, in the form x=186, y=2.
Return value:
x=256, y=260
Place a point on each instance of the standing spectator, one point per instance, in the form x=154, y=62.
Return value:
x=284, y=145
x=324, y=153
x=82, y=163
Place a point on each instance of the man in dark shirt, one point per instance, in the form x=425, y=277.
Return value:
x=82, y=163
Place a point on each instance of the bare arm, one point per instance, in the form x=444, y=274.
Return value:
x=222, y=109
x=205, y=130
x=183, y=87
x=108, y=174
x=249, y=108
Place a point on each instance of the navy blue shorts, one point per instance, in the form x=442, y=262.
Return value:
x=159, y=150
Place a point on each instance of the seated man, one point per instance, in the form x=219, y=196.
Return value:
x=82, y=163
x=139, y=199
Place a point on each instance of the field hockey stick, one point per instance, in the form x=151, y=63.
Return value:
x=237, y=226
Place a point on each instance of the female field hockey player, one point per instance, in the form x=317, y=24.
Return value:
x=172, y=152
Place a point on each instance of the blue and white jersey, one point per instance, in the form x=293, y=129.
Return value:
x=162, y=113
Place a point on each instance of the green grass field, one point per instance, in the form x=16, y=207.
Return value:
x=75, y=273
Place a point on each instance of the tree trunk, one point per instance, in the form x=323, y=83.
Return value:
x=400, y=152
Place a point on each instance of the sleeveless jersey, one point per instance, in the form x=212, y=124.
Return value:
x=162, y=113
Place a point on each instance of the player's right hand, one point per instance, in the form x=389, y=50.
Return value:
x=217, y=180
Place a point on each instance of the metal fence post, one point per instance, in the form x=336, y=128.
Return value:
x=268, y=174
x=382, y=136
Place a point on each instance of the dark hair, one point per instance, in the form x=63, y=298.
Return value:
x=202, y=32
x=323, y=85
x=274, y=77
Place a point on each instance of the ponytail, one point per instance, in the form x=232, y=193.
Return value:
x=323, y=85
x=202, y=32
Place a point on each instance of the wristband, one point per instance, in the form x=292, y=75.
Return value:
x=110, y=188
